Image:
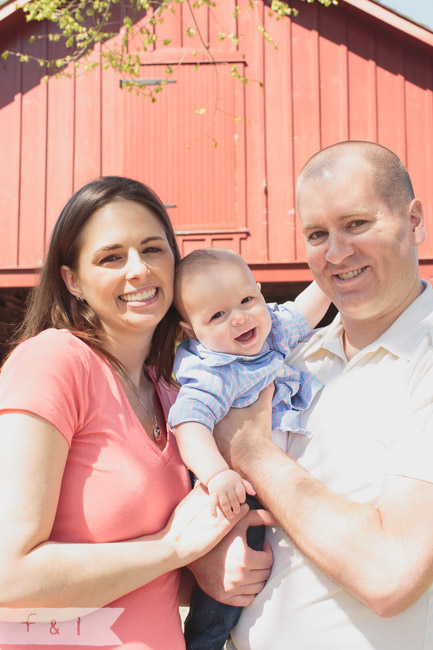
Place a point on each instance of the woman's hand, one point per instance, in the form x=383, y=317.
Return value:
x=192, y=530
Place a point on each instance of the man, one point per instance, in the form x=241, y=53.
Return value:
x=353, y=558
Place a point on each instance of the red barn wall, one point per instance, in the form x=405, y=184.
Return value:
x=338, y=73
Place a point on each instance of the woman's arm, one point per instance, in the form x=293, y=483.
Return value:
x=38, y=573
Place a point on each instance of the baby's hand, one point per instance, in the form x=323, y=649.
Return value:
x=228, y=490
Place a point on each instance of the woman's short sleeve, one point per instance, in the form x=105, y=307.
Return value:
x=47, y=376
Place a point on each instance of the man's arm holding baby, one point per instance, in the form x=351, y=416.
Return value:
x=380, y=554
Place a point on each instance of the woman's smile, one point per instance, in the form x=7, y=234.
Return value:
x=144, y=295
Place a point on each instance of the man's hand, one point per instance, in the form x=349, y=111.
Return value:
x=232, y=572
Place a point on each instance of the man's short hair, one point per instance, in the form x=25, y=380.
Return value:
x=391, y=178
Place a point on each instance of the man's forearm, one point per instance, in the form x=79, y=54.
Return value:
x=314, y=518
x=346, y=540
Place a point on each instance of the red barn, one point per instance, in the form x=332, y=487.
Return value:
x=355, y=71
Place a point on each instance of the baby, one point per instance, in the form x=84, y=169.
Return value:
x=237, y=346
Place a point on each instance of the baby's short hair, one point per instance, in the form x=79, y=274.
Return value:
x=196, y=262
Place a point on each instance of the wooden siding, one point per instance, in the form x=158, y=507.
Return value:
x=338, y=73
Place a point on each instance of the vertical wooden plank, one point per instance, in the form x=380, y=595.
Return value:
x=334, y=118
x=279, y=143
x=87, y=138
x=419, y=118
x=222, y=21
x=141, y=22
x=306, y=99
x=60, y=141
x=239, y=146
x=112, y=120
x=140, y=132
x=195, y=27
x=361, y=81
x=255, y=248
x=427, y=188
x=33, y=153
x=10, y=128
x=390, y=94
x=169, y=29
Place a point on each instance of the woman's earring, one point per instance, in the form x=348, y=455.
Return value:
x=80, y=298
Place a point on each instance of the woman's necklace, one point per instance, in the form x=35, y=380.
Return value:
x=157, y=435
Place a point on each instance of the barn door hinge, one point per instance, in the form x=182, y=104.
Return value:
x=145, y=82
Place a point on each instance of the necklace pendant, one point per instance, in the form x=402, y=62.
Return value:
x=157, y=436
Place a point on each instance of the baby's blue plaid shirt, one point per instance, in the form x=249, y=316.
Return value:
x=212, y=382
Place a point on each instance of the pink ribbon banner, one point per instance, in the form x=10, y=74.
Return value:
x=59, y=626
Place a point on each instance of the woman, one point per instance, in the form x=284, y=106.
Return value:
x=90, y=471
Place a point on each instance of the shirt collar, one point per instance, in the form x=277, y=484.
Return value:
x=401, y=339
x=329, y=338
x=221, y=358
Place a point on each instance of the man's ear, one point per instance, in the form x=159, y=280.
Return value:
x=416, y=211
x=259, y=286
x=70, y=280
x=187, y=329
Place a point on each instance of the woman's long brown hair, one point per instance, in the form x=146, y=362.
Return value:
x=52, y=305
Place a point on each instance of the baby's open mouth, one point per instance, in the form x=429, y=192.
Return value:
x=246, y=336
